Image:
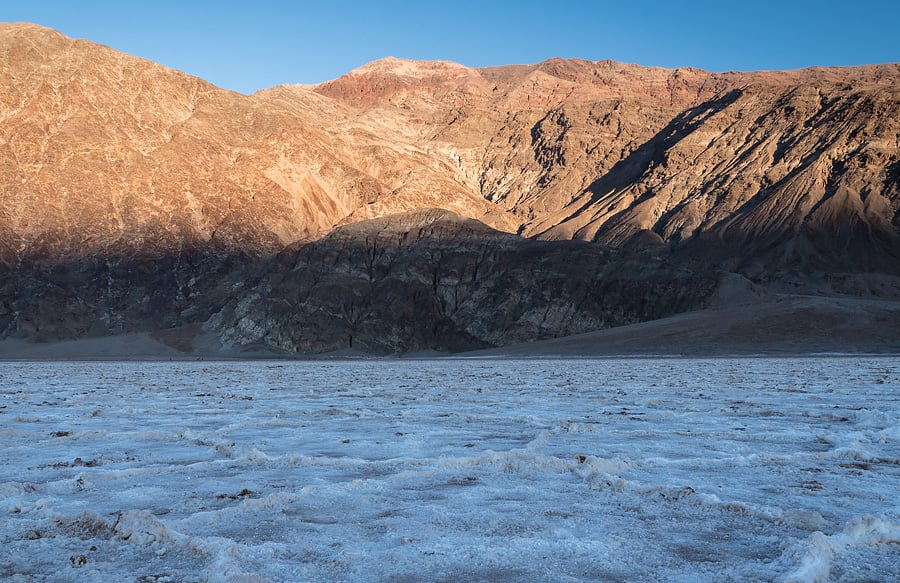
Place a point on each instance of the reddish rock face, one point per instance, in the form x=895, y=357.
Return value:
x=103, y=153
x=135, y=197
x=621, y=153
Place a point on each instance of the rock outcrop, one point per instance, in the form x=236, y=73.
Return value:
x=434, y=280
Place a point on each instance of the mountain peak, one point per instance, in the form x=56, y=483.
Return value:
x=11, y=27
x=410, y=68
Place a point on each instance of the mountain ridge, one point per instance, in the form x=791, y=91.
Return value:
x=139, y=198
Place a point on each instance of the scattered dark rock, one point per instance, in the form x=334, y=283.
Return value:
x=242, y=494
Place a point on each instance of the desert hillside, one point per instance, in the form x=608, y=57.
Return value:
x=426, y=205
x=620, y=153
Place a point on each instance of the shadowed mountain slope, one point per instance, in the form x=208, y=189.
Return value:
x=433, y=280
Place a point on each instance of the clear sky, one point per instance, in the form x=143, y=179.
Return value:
x=246, y=46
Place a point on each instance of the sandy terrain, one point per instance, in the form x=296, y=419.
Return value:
x=186, y=343
x=779, y=326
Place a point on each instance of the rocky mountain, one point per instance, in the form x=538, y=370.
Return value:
x=573, y=196
x=132, y=192
x=609, y=152
x=433, y=280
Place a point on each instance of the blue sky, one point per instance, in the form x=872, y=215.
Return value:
x=246, y=46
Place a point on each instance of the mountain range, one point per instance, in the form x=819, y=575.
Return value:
x=410, y=206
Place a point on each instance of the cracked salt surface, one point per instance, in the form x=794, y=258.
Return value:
x=475, y=470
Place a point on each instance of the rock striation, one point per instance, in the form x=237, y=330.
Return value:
x=799, y=162
x=426, y=205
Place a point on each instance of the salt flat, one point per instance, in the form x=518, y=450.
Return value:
x=745, y=469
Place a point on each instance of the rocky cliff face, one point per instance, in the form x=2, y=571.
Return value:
x=131, y=191
x=137, y=198
x=805, y=161
x=809, y=170
x=105, y=154
x=433, y=280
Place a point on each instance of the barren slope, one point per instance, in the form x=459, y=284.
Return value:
x=782, y=325
x=105, y=153
x=606, y=151
x=137, y=198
